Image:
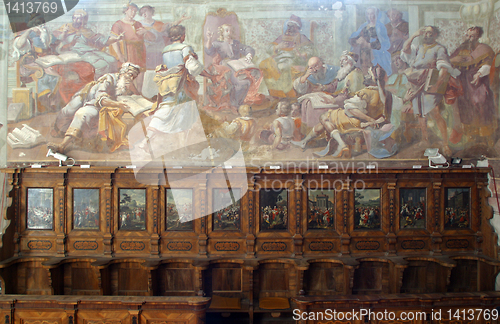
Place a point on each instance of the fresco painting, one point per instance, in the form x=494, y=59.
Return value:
x=365, y=82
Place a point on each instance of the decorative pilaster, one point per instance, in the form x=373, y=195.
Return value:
x=298, y=238
x=479, y=217
x=250, y=238
x=15, y=192
x=345, y=237
x=108, y=235
x=203, y=238
x=60, y=227
x=391, y=236
x=437, y=238
x=155, y=236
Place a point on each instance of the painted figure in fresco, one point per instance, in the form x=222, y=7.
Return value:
x=160, y=31
x=177, y=109
x=371, y=43
x=397, y=30
x=236, y=79
x=154, y=48
x=289, y=55
x=56, y=83
x=475, y=104
x=85, y=113
x=425, y=58
x=28, y=46
x=328, y=85
x=242, y=128
x=396, y=85
x=283, y=128
x=132, y=48
x=77, y=38
x=366, y=112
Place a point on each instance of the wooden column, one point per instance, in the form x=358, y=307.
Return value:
x=250, y=238
x=14, y=179
x=203, y=238
x=391, y=236
x=437, y=238
x=477, y=200
x=108, y=235
x=345, y=237
x=155, y=235
x=298, y=239
x=60, y=227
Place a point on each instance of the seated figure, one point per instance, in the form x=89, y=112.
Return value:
x=283, y=130
x=289, y=54
x=82, y=116
x=235, y=80
x=368, y=112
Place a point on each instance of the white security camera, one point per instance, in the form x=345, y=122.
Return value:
x=61, y=157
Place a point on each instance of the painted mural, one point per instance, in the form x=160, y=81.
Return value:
x=193, y=84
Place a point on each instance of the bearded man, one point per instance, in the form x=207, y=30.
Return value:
x=324, y=86
x=425, y=60
x=476, y=108
x=80, y=117
x=77, y=38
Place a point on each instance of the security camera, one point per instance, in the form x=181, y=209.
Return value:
x=61, y=157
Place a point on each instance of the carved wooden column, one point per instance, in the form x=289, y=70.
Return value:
x=13, y=181
x=203, y=238
x=437, y=238
x=301, y=267
x=250, y=238
x=250, y=266
x=134, y=311
x=71, y=309
x=298, y=239
x=349, y=276
x=397, y=268
x=479, y=235
x=345, y=238
x=155, y=236
x=106, y=201
x=391, y=236
x=199, y=267
x=60, y=227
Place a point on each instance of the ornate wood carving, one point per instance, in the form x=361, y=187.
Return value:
x=436, y=236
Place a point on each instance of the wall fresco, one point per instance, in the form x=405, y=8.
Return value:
x=198, y=84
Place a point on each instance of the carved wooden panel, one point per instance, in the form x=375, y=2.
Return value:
x=129, y=278
x=41, y=317
x=103, y=317
x=177, y=279
x=226, y=279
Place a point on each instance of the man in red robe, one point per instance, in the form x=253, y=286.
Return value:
x=475, y=113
